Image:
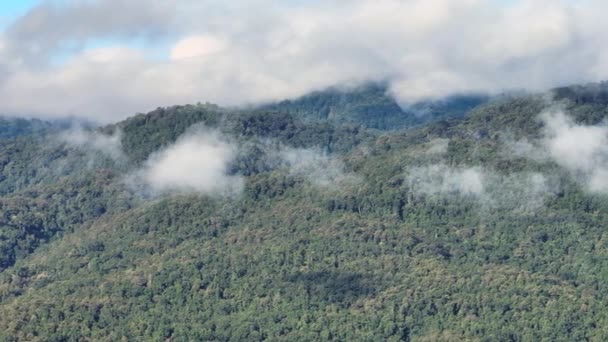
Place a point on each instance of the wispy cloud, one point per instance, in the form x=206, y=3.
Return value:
x=94, y=141
x=317, y=167
x=442, y=179
x=66, y=26
x=581, y=149
x=438, y=146
x=524, y=148
x=518, y=192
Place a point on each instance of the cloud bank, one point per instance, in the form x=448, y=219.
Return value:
x=76, y=59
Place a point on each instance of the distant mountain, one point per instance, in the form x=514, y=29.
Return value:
x=372, y=106
x=13, y=127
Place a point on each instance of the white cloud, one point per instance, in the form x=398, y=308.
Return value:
x=317, y=167
x=197, y=163
x=525, y=148
x=64, y=26
x=519, y=192
x=581, y=149
x=94, y=141
x=442, y=179
x=425, y=48
x=197, y=46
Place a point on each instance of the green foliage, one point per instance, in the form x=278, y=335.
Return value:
x=14, y=127
x=145, y=133
x=32, y=217
x=372, y=106
x=83, y=258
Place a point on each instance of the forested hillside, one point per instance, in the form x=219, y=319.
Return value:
x=313, y=219
x=371, y=105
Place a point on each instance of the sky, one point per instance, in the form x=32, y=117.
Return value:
x=10, y=10
x=105, y=60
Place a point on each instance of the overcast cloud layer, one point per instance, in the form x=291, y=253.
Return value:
x=107, y=59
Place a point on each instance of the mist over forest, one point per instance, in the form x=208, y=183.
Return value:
x=308, y=219
x=366, y=170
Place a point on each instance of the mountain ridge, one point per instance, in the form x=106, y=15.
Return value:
x=464, y=227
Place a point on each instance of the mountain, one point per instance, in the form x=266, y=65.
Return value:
x=14, y=127
x=303, y=221
x=372, y=106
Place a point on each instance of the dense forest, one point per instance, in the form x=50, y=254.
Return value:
x=335, y=216
x=372, y=106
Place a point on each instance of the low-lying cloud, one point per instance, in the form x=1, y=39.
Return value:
x=197, y=163
x=520, y=192
x=317, y=167
x=581, y=149
x=438, y=146
x=205, y=161
x=525, y=148
x=442, y=179
x=94, y=141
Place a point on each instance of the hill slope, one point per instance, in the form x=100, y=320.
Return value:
x=372, y=106
x=460, y=229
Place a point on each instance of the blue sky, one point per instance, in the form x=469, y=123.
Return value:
x=16, y=6
x=12, y=9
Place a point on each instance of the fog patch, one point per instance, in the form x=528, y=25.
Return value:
x=519, y=192
x=438, y=146
x=525, y=148
x=581, y=149
x=92, y=141
x=198, y=162
x=442, y=179
x=317, y=167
